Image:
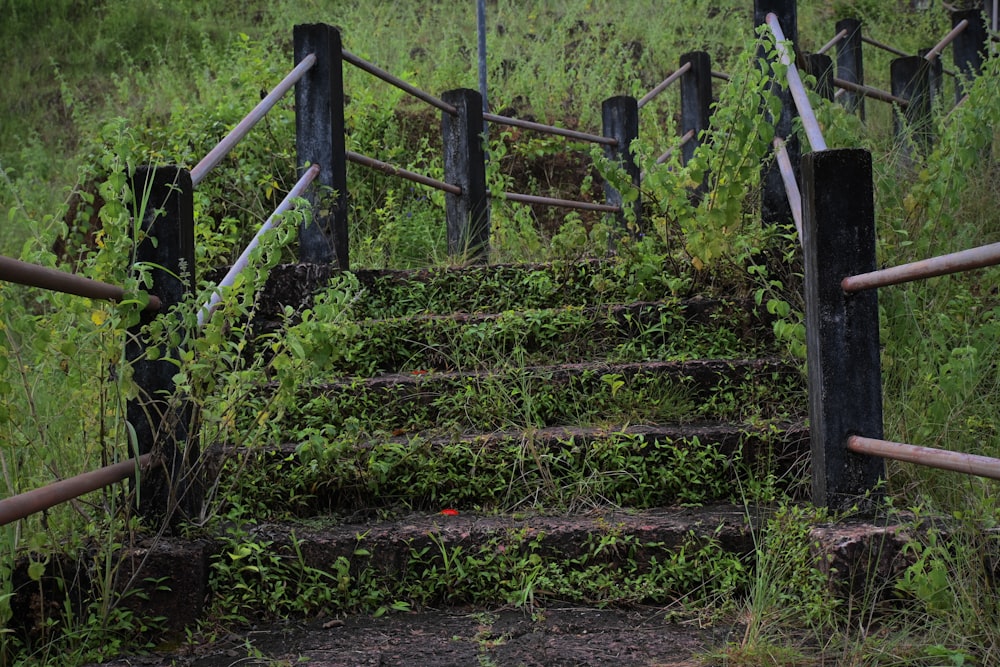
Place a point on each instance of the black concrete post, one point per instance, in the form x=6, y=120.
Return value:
x=970, y=47
x=935, y=81
x=319, y=139
x=845, y=382
x=850, y=64
x=911, y=81
x=821, y=67
x=467, y=214
x=621, y=121
x=165, y=206
x=774, y=200
x=696, y=99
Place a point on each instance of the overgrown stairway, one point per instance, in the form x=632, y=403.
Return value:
x=514, y=434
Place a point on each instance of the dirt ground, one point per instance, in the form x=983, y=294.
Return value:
x=456, y=638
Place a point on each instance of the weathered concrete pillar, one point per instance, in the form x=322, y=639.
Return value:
x=911, y=81
x=319, y=139
x=468, y=214
x=821, y=67
x=842, y=330
x=164, y=204
x=696, y=99
x=621, y=122
x=850, y=64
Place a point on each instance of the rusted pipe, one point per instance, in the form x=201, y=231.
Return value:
x=688, y=136
x=833, y=42
x=972, y=464
x=550, y=129
x=798, y=90
x=791, y=186
x=868, y=91
x=948, y=39
x=664, y=84
x=721, y=75
x=25, y=504
x=564, y=203
x=244, y=126
x=393, y=170
x=244, y=258
x=884, y=47
x=965, y=260
x=33, y=275
x=377, y=71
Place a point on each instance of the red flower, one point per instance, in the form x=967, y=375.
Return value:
x=449, y=512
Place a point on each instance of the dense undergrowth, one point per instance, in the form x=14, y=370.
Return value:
x=170, y=81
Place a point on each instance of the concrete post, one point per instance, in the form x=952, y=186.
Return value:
x=164, y=204
x=468, y=214
x=850, y=64
x=621, y=121
x=845, y=384
x=319, y=139
x=696, y=99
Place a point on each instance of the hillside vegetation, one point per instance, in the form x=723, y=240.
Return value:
x=93, y=90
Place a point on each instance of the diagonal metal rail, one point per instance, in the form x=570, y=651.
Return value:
x=33, y=275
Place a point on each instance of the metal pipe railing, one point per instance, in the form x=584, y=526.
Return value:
x=244, y=126
x=868, y=91
x=393, y=170
x=33, y=275
x=721, y=75
x=565, y=203
x=884, y=47
x=25, y=504
x=798, y=90
x=377, y=71
x=244, y=258
x=648, y=97
x=791, y=186
x=688, y=136
x=946, y=40
x=956, y=262
x=972, y=464
x=550, y=129
x=833, y=42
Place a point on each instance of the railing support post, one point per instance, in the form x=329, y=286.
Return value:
x=850, y=64
x=970, y=48
x=774, y=208
x=911, y=81
x=820, y=66
x=468, y=214
x=845, y=383
x=319, y=139
x=696, y=99
x=620, y=121
x=163, y=202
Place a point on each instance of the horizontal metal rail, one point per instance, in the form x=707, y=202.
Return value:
x=38, y=500
x=893, y=50
x=648, y=97
x=932, y=55
x=33, y=275
x=377, y=71
x=393, y=170
x=550, y=129
x=564, y=203
x=833, y=42
x=798, y=90
x=688, y=136
x=884, y=47
x=956, y=262
x=868, y=91
x=244, y=126
x=791, y=185
x=972, y=464
x=244, y=259
x=721, y=75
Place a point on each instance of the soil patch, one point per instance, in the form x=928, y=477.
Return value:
x=460, y=637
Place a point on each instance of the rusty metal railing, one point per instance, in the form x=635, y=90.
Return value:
x=809, y=122
x=43, y=498
x=380, y=73
x=215, y=155
x=550, y=129
x=32, y=275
